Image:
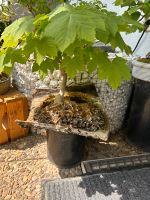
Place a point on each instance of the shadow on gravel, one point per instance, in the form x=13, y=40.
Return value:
x=24, y=143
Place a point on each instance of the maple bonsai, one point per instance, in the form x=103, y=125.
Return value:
x=64, y=38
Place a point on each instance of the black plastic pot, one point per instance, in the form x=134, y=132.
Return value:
x=138, y=129
x=65, y=150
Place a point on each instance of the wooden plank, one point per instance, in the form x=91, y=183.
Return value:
x=3, y=123
x=16, y=109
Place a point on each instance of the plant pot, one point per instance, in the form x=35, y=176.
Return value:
x=138, y=129
x=65, y=150
x=141, y=70
x=4, y=86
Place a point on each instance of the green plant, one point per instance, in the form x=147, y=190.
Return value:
x=6, y=10
x=64, y=38
x=136, y=9
x=40, y=6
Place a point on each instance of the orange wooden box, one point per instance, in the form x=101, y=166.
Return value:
x=13, y=105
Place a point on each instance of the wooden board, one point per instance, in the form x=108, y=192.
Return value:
x=3, y=123
x=16, y=108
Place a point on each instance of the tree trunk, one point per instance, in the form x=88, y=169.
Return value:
x=59, y=99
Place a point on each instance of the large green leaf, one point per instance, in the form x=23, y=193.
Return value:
x=44, y=67
x=40, y=47
x=118, y=41
x=16, y=30
x=9, y=56
x=73, y=65
x=73, y=22
x=45, y=47
x=118, y=71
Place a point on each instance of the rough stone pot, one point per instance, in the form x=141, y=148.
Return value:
x=65, y=150
x=138, y=129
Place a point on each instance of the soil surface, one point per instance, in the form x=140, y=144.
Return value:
x=3, y=77
x=76, y=111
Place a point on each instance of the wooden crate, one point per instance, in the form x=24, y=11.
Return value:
x=13, y=106
x=3, y=121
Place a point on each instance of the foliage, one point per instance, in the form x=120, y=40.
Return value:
x=40, y=6
x=64, y=39
x=137, y=9
x=6, y=10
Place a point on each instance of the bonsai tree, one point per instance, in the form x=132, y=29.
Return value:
x=63, y=39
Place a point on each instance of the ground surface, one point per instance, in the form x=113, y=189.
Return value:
x=120, y=185
x=24, y=164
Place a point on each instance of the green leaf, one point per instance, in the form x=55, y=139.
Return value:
x=112, y=25
x=45, y=47
x=40, y=47
x=9, y=56
x=40, y=18
x=13, y=33
x=28, y=45
x=35, y=67
x=118, y=2
x=49, y=64
x=74, y=23
x=118, y=41
x=73, y=65
x=44, y=67
x=59, y=9
x=7, y=70
x=133, y=22
x=103, y=66
x=18, y=56
x=134, y=9
x=99, y=60
x=119, y=71
x=136, y=15
x=2, y=57
x=103, y=36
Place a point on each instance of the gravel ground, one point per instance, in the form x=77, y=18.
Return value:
x=24, y=164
